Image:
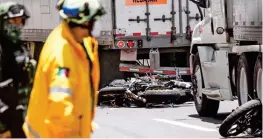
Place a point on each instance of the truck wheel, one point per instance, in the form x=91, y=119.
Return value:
x=232, y=67
x=204, y=106
x=244, y=80
x=257, y=78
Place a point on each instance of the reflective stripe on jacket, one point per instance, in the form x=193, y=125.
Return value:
x=61, y=103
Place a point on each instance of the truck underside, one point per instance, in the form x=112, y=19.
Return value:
x=172, y=61
x=149, y=38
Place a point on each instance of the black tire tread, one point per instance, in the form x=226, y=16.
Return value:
x=112, y=89
x=240, y=111
x=244, y=62
x=257, y=66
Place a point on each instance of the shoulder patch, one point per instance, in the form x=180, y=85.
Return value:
x=63, y=71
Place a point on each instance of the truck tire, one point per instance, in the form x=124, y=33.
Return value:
x=204, y=106
x=257, y=78
x=236, y=115
x=244, y=80
x=232, y=70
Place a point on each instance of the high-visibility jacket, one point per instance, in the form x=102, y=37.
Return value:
x=63, y=98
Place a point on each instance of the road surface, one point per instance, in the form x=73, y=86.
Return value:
x=181, y=121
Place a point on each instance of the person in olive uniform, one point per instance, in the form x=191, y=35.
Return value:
x=12, y=60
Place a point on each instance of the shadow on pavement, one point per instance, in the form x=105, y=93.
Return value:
x=156, y=106
x=215, y=120
x=152, y=106
x=240, y=136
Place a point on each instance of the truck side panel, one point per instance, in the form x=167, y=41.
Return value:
x=124, y=13
x=44, y=18
x=247, y=20
x=43, y=14
x=157, y=31
x=103, y=27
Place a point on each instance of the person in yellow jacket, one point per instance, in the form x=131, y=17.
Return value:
x=64, y=95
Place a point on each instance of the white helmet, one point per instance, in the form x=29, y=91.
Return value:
x=80, y=11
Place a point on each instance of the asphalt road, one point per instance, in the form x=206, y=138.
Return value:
x=180, y=121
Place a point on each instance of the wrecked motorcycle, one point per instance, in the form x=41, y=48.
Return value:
x=146, y=90
x=246, y=119
x=120, y=94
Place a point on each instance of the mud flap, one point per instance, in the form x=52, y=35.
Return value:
x=128, y=55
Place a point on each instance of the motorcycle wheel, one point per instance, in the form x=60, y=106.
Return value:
x=241, y=114
x=112, y=89
x=161, y=96
x=110, y=93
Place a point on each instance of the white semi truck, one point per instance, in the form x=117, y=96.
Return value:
x=226, y=54
x=156, y=32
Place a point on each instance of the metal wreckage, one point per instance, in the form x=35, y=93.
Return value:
x=145, y=91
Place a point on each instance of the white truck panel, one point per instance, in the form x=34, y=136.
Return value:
x=125, y=12
x=193, y=11
x=157, y=11
x=229, y=8
x=105, y=23
x=44, y=17
x=43, y=14
x=247, y=17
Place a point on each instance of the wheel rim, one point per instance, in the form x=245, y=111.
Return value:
x=198, y=75
x=243, y=86
x=259, y=83
x=242, y=123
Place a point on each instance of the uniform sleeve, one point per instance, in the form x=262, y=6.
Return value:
x=60, y=116
x=96, y=75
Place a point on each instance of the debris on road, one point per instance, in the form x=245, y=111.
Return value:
x=146, y=91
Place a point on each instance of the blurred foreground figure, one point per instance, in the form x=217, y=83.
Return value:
x=63, y=99
x=13, y=73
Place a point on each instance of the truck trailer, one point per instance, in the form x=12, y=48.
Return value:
x=143, y=36
x=226, y=54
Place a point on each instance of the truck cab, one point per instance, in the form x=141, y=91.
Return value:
x=226, y=53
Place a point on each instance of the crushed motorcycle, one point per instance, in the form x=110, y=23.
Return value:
x=245, y=121
x=146, y=91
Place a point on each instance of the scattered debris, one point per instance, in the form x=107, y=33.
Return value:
x=145, y=91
